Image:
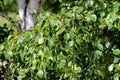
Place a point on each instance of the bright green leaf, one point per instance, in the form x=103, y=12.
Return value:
x=100, y=47
x=71, y=43
x=40, y=40
x=67, y=36
x=69, y=14
x=116, y=60
x=60, y=31
x=41, y=54
x=116, y=52
x=110, y=68
x=40, y=73
x=1, y=47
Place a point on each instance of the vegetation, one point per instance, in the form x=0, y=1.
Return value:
x=78, y=41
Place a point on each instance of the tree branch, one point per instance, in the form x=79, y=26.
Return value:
x=16, y=24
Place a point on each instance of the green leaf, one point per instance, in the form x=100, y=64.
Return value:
x=1, y=47
x=40, y=73
x=90, y=17
x=51, y=43
x=79, y=9
x=40, y=40
x=116, y=60
x=69, y=14
x=41, y=54
x=78, y=41
x=67, y=36
x=54, y=23
x=60, y=31
x=78, y=17
x=98, y=54
x=85, y=38
x=116, y=7
x=110, y=68
x=9, y=55
x=100, y=46
x=90, y=3
x=111, y=18
x=72, y=33
x=67, y=22
x=110, y=26
x=39, y=25
x=116, y=76
x=100, y=73
x=70, y=64
x=22, y=72
x=116, y=52
x=107, y=45
x=77, y=69
x=71, y=43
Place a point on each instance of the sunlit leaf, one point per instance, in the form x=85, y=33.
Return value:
x=40, y=40
x=116, y=52
x=23, y=72
x=107, y=44
x=110, y=68
x=1, y=47
x=100, y=47
x=51, y=42
x=69, y=14
x=98, y=54
x=71, y=43
x=67, y=36
x=60, y=31
x=77, y=69
x=40, y=73
x=41, y=54
x=116, y=76
x=116, y=60
x=78, y=16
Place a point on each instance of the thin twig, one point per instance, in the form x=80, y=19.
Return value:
x=16, y=24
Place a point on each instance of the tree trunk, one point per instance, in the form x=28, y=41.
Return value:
x=26, y=8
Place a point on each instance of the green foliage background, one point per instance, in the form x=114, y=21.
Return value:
x=73, y=40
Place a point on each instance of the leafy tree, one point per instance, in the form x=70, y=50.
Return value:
x=78, y=41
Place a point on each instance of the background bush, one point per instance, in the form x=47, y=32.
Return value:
x=79, y=41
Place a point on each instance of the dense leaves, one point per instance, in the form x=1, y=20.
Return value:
x=4, y=32
x=78, y=42
x=5, y=5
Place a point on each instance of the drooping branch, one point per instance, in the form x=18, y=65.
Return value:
x=16, y=24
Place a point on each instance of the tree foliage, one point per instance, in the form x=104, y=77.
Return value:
x=5, y=5
x=79, y=41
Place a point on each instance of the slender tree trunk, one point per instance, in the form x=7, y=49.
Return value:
x=26, y=8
